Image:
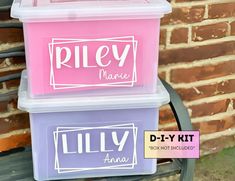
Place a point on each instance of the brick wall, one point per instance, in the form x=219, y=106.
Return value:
x=197, y=58
x=14, y=124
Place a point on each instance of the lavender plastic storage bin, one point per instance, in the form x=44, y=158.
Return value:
x=95, y=47
x=91, y=137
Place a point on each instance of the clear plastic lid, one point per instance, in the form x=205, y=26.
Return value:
x=26, y=103
x=47, y=10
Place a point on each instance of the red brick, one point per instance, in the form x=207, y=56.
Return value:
x=199, y=92
x=212, y=31
x=184, y=15
x=5, y=15
x=182, y=1
x=162, y=75
x=12, y=83
x=4, y=106
x=12, y=105
x=166, y=116
x=221, y=10
x=14, y=122
x=203, y=72
x=208, y=109
x=17, y=60
x=196, y=53
x=163, y=37
x=172, y=128
x=15, y=141
x=209, y=127
x=9, y=35
x=233, y=28
x=179, y=35
x=217, y=144
x=4, y=73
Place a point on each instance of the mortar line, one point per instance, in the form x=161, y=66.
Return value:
x=201, y=23
x=206, y=14
x=210, y=118
x=201, y=82
x=228, y=132
x=194, y=44
x=190, y=34
x=5, y=46
x=8, y=114
x=215, y=117
x=210, y=99
x=14, y=133
x=12, y=67
x=198, y=63
x=190, y=4
x=168, y=37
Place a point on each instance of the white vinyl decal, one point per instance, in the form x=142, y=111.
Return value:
x=111, y=62
x=80, y=149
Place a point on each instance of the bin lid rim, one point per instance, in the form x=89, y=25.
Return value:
x=88, y=103
x=47, y=10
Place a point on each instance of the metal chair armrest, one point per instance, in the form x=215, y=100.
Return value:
x=184, y=123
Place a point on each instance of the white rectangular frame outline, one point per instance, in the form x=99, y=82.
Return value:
x=113, y=167
x=112, y=84
x=68, y=86
x=70, y=129
x=115, y=84
x=91, y=128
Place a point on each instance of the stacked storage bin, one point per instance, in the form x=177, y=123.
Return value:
x=91, y=85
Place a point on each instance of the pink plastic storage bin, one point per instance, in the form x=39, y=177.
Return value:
x=91, y=47
x=81, y=137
